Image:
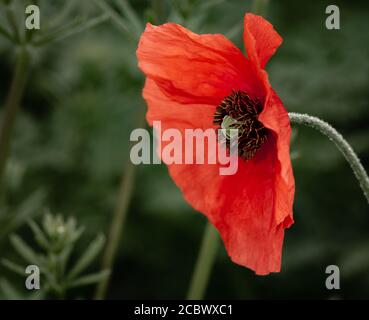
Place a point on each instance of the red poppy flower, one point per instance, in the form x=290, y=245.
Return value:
x=192, y=82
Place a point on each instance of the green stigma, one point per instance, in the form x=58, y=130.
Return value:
x=227, y=124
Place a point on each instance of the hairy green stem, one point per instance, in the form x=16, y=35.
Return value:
x=340, y=143
x=12, y=105
x=204, y=263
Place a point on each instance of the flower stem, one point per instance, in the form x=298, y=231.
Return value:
x=210, y=242
x=127, y=182
x=119, y=218
x=204, y=263
x=340, y=143
x=11, y=106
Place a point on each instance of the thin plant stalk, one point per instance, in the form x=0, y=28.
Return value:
x=116, y=18
x=342, y=145
x=119, y=219
x=126, y=186
x=12, y=105
x=116, y=227
x=204, y=263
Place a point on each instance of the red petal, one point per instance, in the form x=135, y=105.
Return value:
x=251, y=208
x=193, y=68
x=172, y=113
x=261, y=40
x=275, y=117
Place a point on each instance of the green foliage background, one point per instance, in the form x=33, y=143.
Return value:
x=72, y=142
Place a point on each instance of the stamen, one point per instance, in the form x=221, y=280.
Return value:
x=239, y=111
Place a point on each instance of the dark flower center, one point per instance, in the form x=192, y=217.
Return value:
x=239, y=111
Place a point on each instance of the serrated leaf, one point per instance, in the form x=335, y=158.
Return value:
x=24, y=250
x=90, y=254
x=90, y=279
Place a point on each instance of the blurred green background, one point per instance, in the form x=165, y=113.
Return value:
x=71, y=146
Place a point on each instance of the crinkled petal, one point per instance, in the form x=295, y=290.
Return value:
x=261, y=40
x=192, y=68
x=244, y=206
x=275, y=117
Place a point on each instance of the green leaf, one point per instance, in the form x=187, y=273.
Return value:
x=131, y=15
x=5, y=33
x=16, y=268
x=64, y=257
x=71, y=29
x=117, y=19
x=24, y=250
x=30, y=207
x=39, y=235
x=90, y=254
x=26, y=210
x=90, y=279
x=69, y=6
x=77, y=234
